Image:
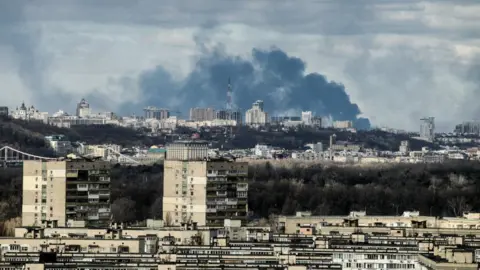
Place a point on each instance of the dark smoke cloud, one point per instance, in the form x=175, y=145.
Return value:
x=270, y=75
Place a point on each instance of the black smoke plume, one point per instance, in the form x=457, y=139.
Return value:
x=270, y=75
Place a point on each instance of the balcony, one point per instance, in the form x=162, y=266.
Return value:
x=93, y=217
x=82, y=208
x=242, y=195
x=103, y=215
x=82, y=187
x=212, y=174
x=72, y=174
x=211, y=210
x=104, y=210
x=242, y=187
x=93, y=196
x=232, y=201
x=221, y=193
x=104, y=179
x=104, y=193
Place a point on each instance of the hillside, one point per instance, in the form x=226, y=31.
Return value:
x=375, y=139
x=28, y=136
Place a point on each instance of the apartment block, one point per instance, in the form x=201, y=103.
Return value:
x=202, y=190
x=156, y=113
x=71, y=192
x=202, y=114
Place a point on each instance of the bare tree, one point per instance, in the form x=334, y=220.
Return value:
x=123, y=210
x=156, y=208
x=168, y=220
x=458, y=205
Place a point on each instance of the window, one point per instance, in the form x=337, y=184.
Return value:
x=36, y=186
x=191, y=193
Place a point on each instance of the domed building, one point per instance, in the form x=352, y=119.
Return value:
x=29, y=113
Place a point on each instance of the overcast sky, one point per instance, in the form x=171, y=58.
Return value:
x=398, y=60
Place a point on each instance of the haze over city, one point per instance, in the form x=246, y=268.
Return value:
x=392, y=62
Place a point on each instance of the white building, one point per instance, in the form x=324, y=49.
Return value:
x=427, y=129
x=30, y=113
x=307, y=118
x=83, y=109
x=342, y=124
x=404, y=147
x=59, y=144
x=256, y=115
x=263, y=151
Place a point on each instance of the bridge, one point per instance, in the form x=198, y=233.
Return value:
x=10, y=157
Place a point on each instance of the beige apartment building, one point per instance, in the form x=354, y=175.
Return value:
x=412, y=222
x=202, y=190
x=70, y=192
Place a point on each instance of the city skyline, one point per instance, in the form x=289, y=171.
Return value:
x=398, y=61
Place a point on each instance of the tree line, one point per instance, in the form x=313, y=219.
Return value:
x=447, y=189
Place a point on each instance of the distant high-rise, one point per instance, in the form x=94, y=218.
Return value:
x=83, y=109
x=222, y=115
x=156, y=113
x=470, y=127
x=307, y=118
x=202, y=114
x=427, y=128
x=237, y=116
x=256, y=115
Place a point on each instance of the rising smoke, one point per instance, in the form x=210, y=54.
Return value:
x=270, y=75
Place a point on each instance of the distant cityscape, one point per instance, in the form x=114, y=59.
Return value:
x=163, y=121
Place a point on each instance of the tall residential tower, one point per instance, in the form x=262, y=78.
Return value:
x=71, y=193
x=202, y=190
x=427, y=128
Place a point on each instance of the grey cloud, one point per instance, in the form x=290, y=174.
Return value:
x=328, y=17
x=406, y=84
x=33, y=62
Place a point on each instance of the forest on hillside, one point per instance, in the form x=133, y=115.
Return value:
x=446, y=189
x=29, y=136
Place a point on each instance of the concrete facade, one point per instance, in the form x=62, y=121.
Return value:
x=63, y=191
x=205, y=192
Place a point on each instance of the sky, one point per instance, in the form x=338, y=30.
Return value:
x=385, y=62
